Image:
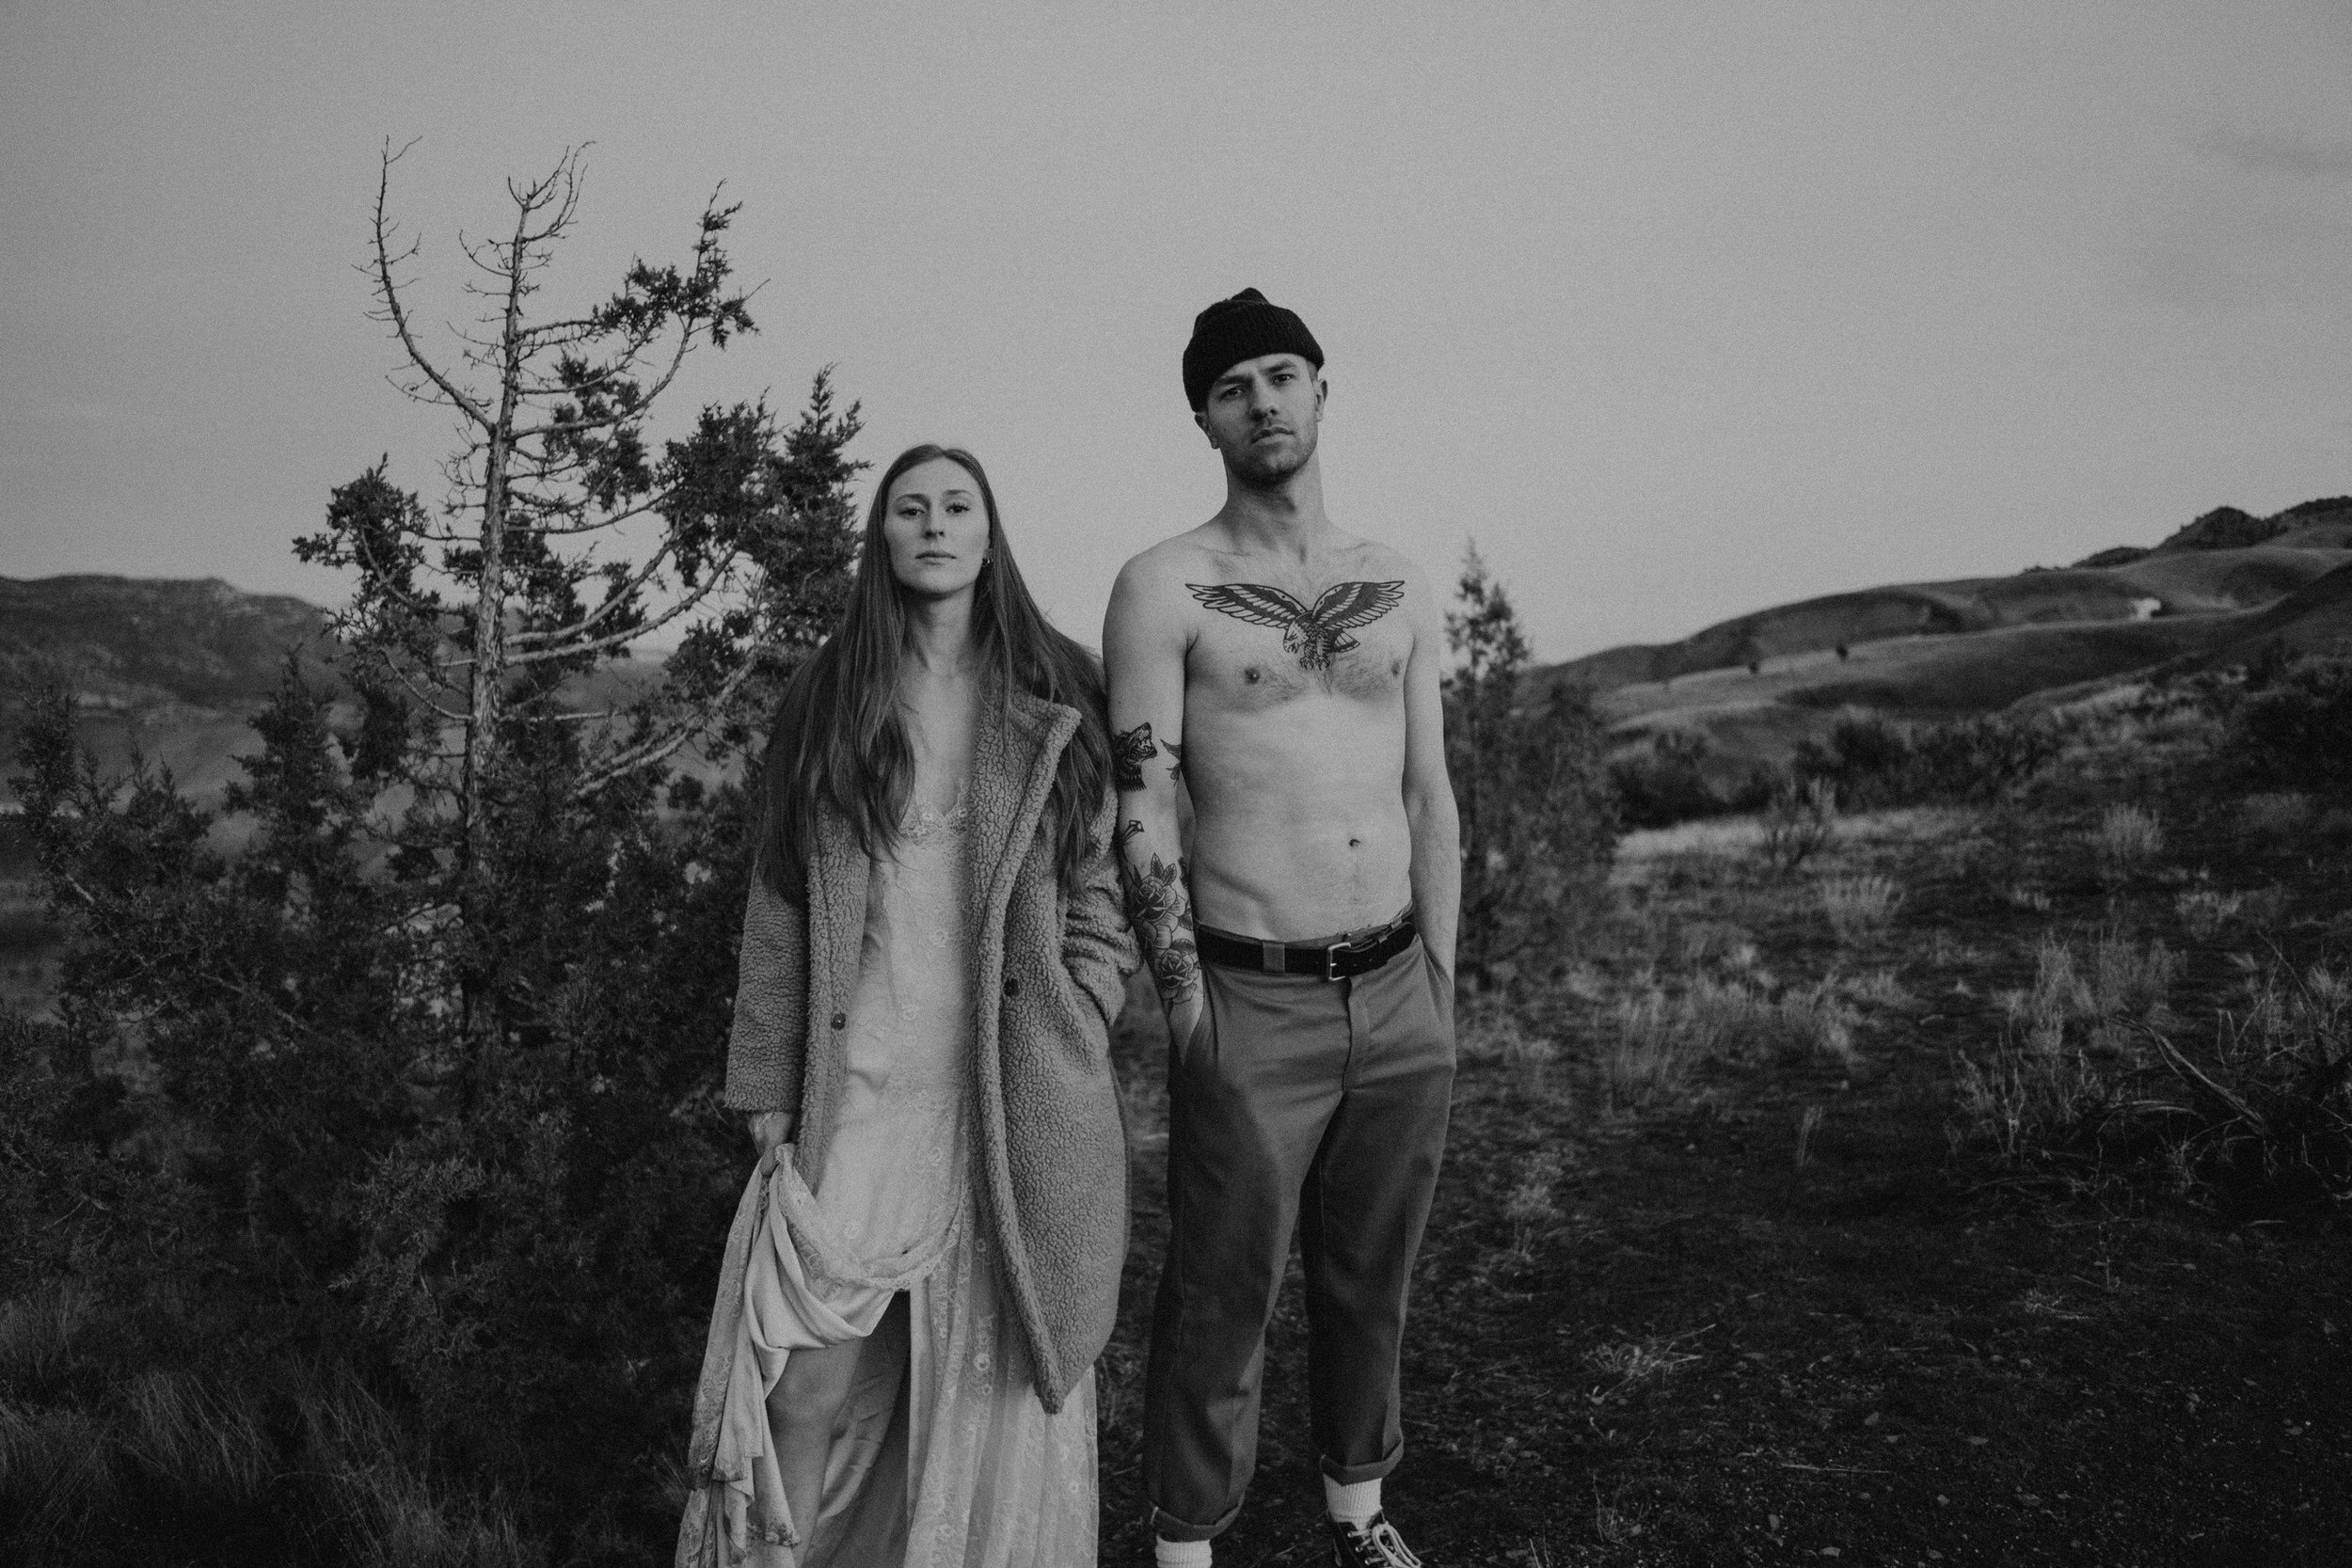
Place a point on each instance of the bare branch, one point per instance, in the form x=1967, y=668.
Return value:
x=665, y=746
x=389, y=291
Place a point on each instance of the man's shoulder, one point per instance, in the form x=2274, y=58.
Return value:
x=1369, y=557
x=1174, y=555
x=1166, y=565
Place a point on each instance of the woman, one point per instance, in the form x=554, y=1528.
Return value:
x=932, y=955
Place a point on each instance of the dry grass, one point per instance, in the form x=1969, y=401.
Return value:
x=1800, y=825
x=2130, y=980
x=164, y=1441
x=1661, y=1039
x=1493, y=1032
x=2270, y=1106
x=2029, y=1094
x=2064, y=1056
x=2126, y=838
x=2205, y=911
x=1714, y=836
x=1531, y=1207
x=1634, y=1361
x=1859, y=908
x=2280, y=815
x=1947, y=951
x=1877, y=988
x=1807, y=1125
x=2115, y=980
x=2267, y=1108
x=1653, y=1051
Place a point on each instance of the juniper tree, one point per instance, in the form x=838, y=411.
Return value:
x=477, y=628
x=1539, y=827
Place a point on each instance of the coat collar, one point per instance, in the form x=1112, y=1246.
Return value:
x=1018, y=746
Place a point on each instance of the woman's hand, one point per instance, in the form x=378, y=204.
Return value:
x=773, y=1129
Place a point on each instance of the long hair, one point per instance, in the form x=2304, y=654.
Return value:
x=839, y=740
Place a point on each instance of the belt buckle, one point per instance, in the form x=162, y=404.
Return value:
x=1331, y=954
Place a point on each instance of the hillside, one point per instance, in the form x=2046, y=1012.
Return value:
x=1759, y=684
x=176, y=669
x=132, y=643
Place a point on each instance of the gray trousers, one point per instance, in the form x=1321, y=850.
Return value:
x=1297, y=1100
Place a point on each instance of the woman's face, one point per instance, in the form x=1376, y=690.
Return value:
x=936, y=527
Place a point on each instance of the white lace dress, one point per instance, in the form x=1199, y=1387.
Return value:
x=967, y=1470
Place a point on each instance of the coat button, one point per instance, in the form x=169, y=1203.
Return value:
x=1013, y=987
x=841, y=1021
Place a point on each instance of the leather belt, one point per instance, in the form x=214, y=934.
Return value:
x=1337, y=957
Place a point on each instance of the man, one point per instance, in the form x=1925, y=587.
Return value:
x=1286, y=674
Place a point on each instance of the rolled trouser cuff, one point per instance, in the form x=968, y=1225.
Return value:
x=1169, y=1528
x=1349, y=1475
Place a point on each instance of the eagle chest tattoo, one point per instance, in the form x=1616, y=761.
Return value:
x=1310, y=636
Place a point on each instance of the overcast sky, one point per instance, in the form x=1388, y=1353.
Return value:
x=1680, y=310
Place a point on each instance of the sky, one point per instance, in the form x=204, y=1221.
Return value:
x=1677, y=311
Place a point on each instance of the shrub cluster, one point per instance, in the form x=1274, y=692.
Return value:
x=1669, y=782
x=2293, y=727
x=410, y=1086
x=1872, y=761
x=2093, y=1066
x=501, y=1235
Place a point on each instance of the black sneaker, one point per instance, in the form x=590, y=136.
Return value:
x=1375, y=1546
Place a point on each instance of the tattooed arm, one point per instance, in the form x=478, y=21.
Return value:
x=1143, y=655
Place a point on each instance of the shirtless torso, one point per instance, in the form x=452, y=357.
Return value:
x=1288, y=684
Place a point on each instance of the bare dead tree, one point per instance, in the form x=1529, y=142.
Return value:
x=565, y=537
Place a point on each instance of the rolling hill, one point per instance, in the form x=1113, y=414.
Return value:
x=172, y=669
x=175, y=670
x=2210, y=594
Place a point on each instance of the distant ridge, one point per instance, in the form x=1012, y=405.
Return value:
x=171, y=669
x=2213, y=594
x=134, y=641
x=2323, y=523
x=2194, y=571
x=174, y=670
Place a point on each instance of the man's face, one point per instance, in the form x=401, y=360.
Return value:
x=1263, y=415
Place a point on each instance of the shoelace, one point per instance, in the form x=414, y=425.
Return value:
x=1392, y=1545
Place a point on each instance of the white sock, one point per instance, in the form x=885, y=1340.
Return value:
x=1357, y=1503
x=1179, y=1554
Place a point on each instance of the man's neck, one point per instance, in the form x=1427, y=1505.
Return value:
x=1283, y=518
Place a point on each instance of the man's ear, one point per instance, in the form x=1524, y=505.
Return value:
x=1201, y=418
x=1323, y=392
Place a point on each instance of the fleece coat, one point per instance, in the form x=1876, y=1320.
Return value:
x=1050, y=1154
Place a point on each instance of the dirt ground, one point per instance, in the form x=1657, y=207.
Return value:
x=1790, y=1311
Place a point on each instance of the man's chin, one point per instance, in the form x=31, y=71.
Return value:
x=1268, y=466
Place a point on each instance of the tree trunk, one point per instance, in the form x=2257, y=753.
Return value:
x=487, y=696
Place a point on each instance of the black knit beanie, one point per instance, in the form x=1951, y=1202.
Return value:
x=1239, y=329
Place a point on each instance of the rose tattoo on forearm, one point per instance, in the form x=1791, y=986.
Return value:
x=1161, y=909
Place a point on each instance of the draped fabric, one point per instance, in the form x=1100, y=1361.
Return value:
x=943, y=1454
